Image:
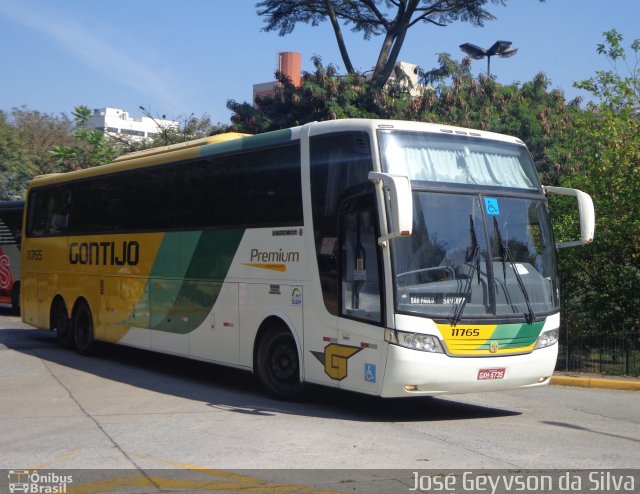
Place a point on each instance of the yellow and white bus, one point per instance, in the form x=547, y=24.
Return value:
x=384, y=257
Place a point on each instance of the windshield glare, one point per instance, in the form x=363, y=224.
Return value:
x=460, y=253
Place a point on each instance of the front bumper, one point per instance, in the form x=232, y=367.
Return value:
x=414, y=373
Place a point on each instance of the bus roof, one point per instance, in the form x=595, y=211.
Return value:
x=148, y=157
x=180, y=146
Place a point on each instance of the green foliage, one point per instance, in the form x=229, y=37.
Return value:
x=323, y=95
x=89, y=149
x=26, y=139
x=614, y=90
x=541, y=118
x=603, y=280
x=13, y=152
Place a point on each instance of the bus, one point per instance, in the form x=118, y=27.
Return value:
x=10, y=232
x=383, y=257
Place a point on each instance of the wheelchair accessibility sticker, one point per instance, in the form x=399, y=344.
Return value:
x=370, y=372
x=491, y=206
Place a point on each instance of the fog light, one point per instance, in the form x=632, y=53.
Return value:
x=411, y=387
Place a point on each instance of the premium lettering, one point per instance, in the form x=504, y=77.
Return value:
x=105, y=253
x=274, y=256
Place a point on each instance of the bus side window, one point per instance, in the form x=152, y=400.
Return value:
x=359, y=260
x=339, y=163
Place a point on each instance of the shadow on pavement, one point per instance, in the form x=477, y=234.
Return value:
x=232, y=389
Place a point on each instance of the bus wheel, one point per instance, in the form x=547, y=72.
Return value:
x=278, y=365
x=15, y=299
x=83, y=330
x=61, y=324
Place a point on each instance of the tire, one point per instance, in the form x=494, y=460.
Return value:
x=278, y=365
x=15, y=299
x=61, y=324
x=83, y=330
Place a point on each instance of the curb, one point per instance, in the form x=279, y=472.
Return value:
x=592, y=382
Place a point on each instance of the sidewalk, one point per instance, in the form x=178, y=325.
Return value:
x=577, y=379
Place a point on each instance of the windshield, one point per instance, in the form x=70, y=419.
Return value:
x=474, y=256
x=457, y=159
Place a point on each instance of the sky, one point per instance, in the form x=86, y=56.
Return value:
x=190, y=57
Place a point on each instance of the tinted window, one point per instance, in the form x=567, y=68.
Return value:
x=254, y=189
x=340, y=166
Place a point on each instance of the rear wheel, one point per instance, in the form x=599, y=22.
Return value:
x=15, y=299
x=278, y=364
x=83, y=330
x=61, y=324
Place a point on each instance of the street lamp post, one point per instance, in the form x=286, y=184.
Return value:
x=501, y=48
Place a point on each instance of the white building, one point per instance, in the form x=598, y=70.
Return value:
x=116, y=123
x=407, y=75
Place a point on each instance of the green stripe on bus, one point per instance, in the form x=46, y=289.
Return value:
x=246, y=143
x=514, y=335
x=181, y=304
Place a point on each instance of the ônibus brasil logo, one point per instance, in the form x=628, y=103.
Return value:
x=42, y=483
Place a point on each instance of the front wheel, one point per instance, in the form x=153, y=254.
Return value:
x=278, y=365
x=83, y=330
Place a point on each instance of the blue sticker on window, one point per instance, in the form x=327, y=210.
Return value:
x=370, y=372
x=491, y=206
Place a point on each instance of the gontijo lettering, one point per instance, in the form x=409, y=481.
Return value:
x=105, y=253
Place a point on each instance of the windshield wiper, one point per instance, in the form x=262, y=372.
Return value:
x=475, y=266
x=505, y=252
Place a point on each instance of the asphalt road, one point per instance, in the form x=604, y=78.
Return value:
x=132, y=409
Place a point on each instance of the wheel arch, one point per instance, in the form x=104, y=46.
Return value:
x=55, y=303
x=80, y=301
x=269, y=323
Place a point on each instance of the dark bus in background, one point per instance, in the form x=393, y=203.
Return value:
x=10, y=233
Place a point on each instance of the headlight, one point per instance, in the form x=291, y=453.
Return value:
x=414, y=341
x=548, y=338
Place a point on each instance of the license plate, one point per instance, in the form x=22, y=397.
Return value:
x=486, y=374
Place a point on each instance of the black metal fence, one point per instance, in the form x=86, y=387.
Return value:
x=597, y=354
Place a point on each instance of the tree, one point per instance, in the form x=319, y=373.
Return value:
x=539, y=116
x=532, y=111
x=13, y=152
x=42, y=132
x=613, y=89
x=89, y=148
x=390, y=19
x=603, y=280
x=26, y=140
x=322, y=96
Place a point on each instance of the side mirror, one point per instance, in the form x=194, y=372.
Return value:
x=397, y=192
x=586, y=211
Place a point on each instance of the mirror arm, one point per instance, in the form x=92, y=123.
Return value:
x=397, y=192
x=586, y=211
